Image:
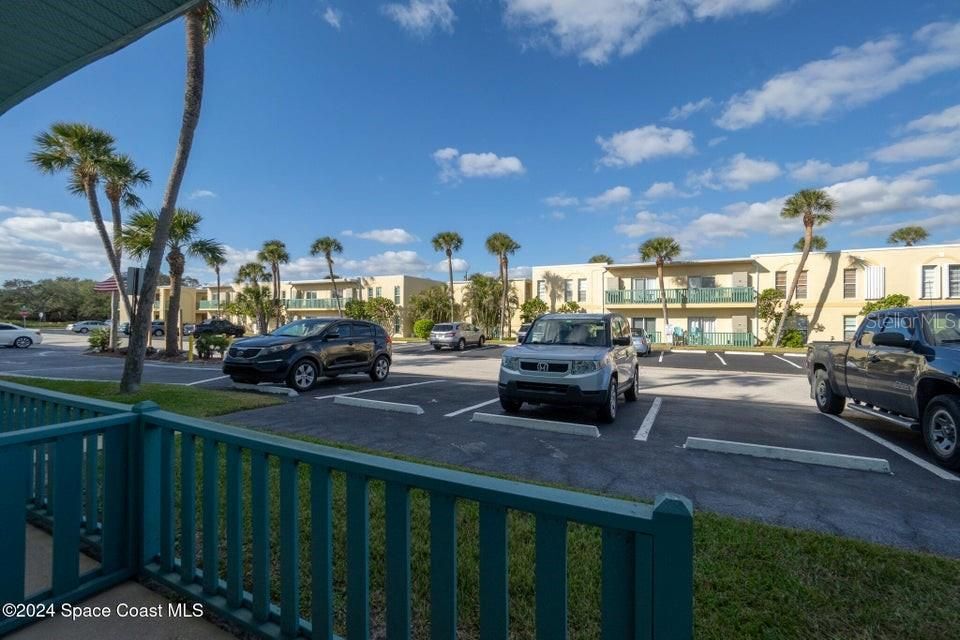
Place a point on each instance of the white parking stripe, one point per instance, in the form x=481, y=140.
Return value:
x=720, y=359
x=190, y=384
x=660, y=359
x=795, y=355
x=932, y=468
x=476, y=406
x=792, y=364
x=396, y=386
x=688, y=351
x=744, y=353
x=644, y=431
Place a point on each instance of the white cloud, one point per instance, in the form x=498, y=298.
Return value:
x=38, y=243
x=690, y=108
x=386, y=236
x=847, y=79
x=737, y=173
x=660, y=190
x=201, y=193
x=816, y=171
x=459, y=266
x=454, y=165
x=940, y=221
x=610, y=197
x=940, y=137
x=421, y=17
x=937, y=169
x=553, y=215
x=712, y=142
x=628, y=148
x=332, y=17
x=561, y=200
x=520, y=272
x=947, y=119
x=597, y=30
x=873, y=195
x=645, y=223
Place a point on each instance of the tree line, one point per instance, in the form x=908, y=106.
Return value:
x=58, y=299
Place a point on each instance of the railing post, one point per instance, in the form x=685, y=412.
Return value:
x=672, y=568
x=145, y=472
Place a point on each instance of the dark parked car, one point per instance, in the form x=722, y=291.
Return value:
x=902, y=366
x=301, y=352
x=522, y=332
x=218, y=326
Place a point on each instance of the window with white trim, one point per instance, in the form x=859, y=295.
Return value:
x=396, y=296
x=581, y=290
x=541, y=289
x=801, y=292
x=849, y=283
x=929, y=282
x=567, y=290
x=849, y=327
x=780, y=281
x=953, y=280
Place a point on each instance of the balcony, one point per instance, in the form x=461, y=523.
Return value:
x=714, y=296
x=311, y=303
x=209, y=305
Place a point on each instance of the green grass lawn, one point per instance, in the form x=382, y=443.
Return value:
x=751, y=580
x=189, y=401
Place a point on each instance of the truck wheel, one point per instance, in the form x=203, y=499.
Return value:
x=380, y=369
x=510, y=405
x=632, y=394
x=607, y=412
x=827, y=400
x=941, y=430
x=303, y=375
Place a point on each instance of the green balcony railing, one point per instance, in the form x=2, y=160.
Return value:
x=715, y=295
x=312, y=303
x=209, y=305
x=718, y=339
x=167, y=497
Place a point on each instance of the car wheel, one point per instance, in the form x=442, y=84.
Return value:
x=303, y=375
x=437, y=347
x=632, y=394
x=158, y=333
x=941, y=430
x=827, y=400
x=481, y=341
x=22, y=342
x=510, y=405
x=607, y=412
x=84, y=330
x=380, y=369
x=461, y=345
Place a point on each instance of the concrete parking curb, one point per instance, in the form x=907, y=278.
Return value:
x=568, y=428
x=823, y=458
x=382, y=405
x=279, y=391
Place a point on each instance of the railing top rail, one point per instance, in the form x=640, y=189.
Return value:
x=78, y=402
x=571, y=505
x=49, y=433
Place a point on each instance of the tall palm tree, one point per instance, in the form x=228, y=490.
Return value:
x=814, y=207
x=817, y=243
x=253, y=275
x=326, y=247
x=503, y=246
x=449, y=242
x=215, y=261
x=85, y=152
x=274, y=253
x=200, y=25
x=908, y=236
x=662, y=250
x=182, y=241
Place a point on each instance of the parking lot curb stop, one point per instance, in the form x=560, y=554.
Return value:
x=568, y=428
x=823, y=458
x=280, y=391
x=382, y=405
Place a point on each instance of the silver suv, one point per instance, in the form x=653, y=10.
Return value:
x=572, y=359
x=456, y=335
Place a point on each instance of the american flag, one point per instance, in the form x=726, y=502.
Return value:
x=107, y=286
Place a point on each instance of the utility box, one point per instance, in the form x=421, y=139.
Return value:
x=741, y=279
x=739, y=324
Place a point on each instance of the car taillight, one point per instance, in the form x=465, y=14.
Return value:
x=389, y=339
x=451, y=334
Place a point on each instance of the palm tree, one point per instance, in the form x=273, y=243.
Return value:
x=449, y=242
x=813, y=207
x=503, y=246
x=215, y=261
x=817, y=243
x=182, y=241
x=326, y=247
x=600, y=258
x=85, y=152
x=274, y=253
x=662, y=249
x=908, y=236
x=252, y=274
x=200, y=25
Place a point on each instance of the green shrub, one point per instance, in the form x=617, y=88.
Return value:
x=99, y=340
x=207, y=343
x=421, y=328
x=793, y=338
x=891, y=301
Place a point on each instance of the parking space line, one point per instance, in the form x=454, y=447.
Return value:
x=823, y=458
x=743, y=353
x=688, y=351
x=190, y=384
x=568, y=428
x=381, y=405
x=660, y=359
x=932, y=468
x=644, y=431
x=792, y=364
x=795, y=355
x=720, y=359
x=362, y=391
x=476, y=406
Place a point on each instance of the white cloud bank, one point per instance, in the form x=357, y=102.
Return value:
x=422, y=17
x=386, y=236
x=628, y=148
x=454, y=166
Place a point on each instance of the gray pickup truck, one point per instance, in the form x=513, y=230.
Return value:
x=902, y=366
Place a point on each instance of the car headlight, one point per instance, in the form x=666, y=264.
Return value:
x=279, y=347
x=510, y=362
x=584, y=366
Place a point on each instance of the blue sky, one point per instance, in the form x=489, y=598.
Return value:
x=577, y=131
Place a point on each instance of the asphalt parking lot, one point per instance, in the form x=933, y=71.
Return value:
x=640, y=455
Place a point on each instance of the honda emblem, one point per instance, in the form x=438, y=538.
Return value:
x=543, y=366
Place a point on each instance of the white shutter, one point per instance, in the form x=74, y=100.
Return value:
x=876, y=282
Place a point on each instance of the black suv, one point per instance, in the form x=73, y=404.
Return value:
x=301, y=352
x=218, y=326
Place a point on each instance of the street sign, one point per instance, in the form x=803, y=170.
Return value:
x=24, y=313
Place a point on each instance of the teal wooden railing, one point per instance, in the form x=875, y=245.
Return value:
x=719, y=339
x=312, y=303
x=715, y=295
x=152, y=517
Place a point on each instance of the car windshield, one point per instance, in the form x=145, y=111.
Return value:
x=942, y=326
x=570, y=331
x=302, y=328
x=442, y=327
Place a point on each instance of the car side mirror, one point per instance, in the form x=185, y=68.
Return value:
x=622, y=342
x=892, y=339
